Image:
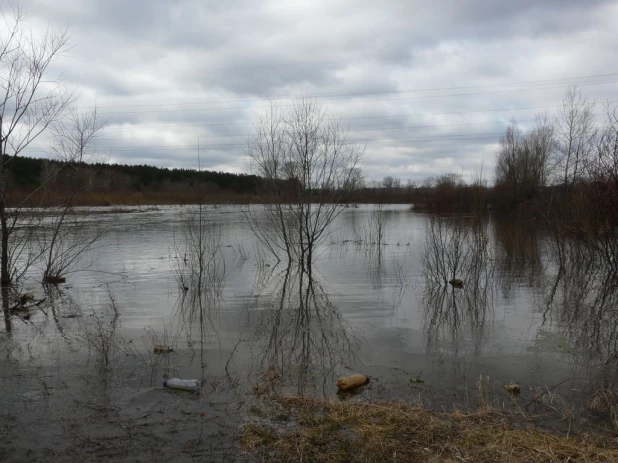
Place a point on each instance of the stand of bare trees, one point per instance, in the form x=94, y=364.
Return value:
x=37, y=229
x=522, y=167
x=574, y=137
x=307, y=165
x=29, y=103
x=568, y=171
x=66, y=237
x=564, y=151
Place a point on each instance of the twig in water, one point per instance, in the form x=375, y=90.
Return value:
x=230, y=357
x=537, y=397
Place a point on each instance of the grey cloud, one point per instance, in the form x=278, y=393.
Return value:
x=221, y=62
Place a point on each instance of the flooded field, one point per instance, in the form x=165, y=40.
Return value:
x=80, y=378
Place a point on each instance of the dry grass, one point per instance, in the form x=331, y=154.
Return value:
x=312, y=430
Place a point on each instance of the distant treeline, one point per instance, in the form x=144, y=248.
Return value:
x=126, y=184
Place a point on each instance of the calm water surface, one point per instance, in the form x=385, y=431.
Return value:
x=72, y=364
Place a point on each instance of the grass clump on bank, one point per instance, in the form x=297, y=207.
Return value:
x=320, y=431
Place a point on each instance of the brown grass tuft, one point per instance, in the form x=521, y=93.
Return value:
x=328, y=432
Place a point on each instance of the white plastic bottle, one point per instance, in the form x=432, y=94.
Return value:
x=184, y=384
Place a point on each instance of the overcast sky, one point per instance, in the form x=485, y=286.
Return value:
x=428, y=86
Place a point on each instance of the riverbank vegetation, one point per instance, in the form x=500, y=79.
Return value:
x=334, y=431
x=563, y=163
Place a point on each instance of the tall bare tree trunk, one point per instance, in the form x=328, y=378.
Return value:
x=5, y=277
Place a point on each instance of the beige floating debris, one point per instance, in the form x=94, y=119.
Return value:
x=349, y=383
x=162, y=349
x=513, y=388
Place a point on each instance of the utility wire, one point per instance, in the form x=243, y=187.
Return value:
x=357, y=129
x=386, y=92
x=425, y=138
x=131, y=125
x=451, y=95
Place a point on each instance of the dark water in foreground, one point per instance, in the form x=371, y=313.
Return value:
x=79, y=379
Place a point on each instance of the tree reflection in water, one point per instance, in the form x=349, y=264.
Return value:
x=519, y=252
x=199, y=268
x=582, y=302
x=457, y=248
x=193, y=318
x=304, y=340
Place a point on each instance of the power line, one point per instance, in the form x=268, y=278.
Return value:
x=359, y=129
x=424, y=138
x=386, y=92
x=227, y=108
x=339, y=119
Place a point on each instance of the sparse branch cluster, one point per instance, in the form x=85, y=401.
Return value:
x=522, y=167
x=307, y=165
x=567, y=170
x=33, y=102
x=568, y=150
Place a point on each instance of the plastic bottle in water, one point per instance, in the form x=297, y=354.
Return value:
x=184, y=384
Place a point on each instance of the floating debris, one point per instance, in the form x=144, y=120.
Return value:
x=54, y=280
x=162, y=349
x=513, y=388
x=182, y=384
x=349, y=383
x=456, y=282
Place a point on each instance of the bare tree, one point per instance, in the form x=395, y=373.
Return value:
x=523, y=163
x=29, y=102
x=575, y=133
x=391, y=183
x=307, y=165
x=541, y=144
x=603, y=166
x=356, y=180
x=66, y=237
x=600, y=225
x=508, y=174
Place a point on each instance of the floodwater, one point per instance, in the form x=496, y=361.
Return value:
x=79, y=378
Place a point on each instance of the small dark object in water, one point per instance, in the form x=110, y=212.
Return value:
x=54, y=279
x=25, y=298
x=456, y=282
